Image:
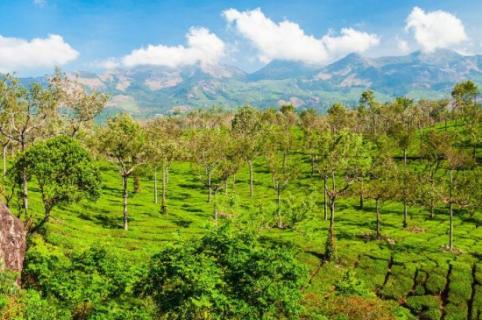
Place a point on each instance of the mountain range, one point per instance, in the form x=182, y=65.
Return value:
x=149, y=90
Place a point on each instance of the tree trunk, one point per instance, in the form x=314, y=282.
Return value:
x=330, y=242
x=362, y=200
x=137, y=184
x=4, y=157
x=210, y=190
x=124, y=203
x=215, y=208
x=25, y=193
x=451, y=213
x=155, y=185
x=312, y=165
x=325, y=206
x=251, y=178
x=164, y=189
x=377, y=205
x=234, y=182
x=405, y=224
x=278, y=205
x=226, y=187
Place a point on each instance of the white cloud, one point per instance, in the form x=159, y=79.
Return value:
x=436, y=29
x=19, y=54
x=202, y=47
x=403, y=46
x=287, y=41
x=109, y=63
x=40, y=3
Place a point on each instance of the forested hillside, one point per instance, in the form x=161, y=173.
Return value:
x=370, y=212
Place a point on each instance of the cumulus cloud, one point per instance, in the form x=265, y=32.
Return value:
x=19, y=54
x=202, y=47
x=403, y=46
x=287, y=41
x=436, y=29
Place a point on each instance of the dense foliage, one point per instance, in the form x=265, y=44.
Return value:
x=226, y=275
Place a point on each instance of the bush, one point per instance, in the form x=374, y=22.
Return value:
x=93, y=284
x=349, y=285
x=425, y=306
x=225, y=275
x=435, y=283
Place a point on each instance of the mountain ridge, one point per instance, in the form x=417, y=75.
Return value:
x=150, y=90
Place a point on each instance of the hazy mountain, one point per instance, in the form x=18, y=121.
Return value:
x=149, y=90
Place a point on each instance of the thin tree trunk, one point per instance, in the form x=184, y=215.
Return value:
x=312, y=165
x=210, y=190
x=215, y=208
x=451, y=213
x=325, y=206
x=361, y=196
x=251, y=178
x=164, y=189
x=377, y=205
x=124, y=203
x=25, y=193
x=330, y=242
x=4, y=157
x=278, y=205
x=226, y=186
x=155, y=186
x=234, y=182
x=405, y=213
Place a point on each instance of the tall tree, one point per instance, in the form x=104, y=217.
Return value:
x=380, y=186
x=460, y=183
x=280, y=145
x=26, y=115
x=403, y=130
x=77, y=107
x=123, y=142
x=164, y=140
x=342, y=154
x=247, y=130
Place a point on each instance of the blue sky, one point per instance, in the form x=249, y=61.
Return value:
x=99, y=34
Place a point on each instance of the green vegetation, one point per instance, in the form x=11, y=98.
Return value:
x=365, y=213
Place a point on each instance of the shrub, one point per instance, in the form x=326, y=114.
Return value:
x=93, y=284
x=349, y=285
x=226, y=275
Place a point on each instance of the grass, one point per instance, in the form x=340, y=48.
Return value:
x=410, y=267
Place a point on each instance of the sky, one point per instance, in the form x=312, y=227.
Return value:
x=92, y=35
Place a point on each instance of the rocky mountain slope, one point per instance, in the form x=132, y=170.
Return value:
x=148, y=90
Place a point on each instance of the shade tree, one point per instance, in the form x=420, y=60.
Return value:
x=63, y=171
x=122, y=141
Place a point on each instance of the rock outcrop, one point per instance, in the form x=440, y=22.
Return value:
x=12, y=241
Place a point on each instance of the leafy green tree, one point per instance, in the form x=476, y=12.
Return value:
x=281, y=140
x=77, y=107
x=123, y=141
x=403, y=130
x=63, y=171
x=26, y=115
x=460, y=184
x=312, y=125
x=381, y=186
x=226, y=274
x=247, y=130
x=164, y=141
x=208, y=150
x=344, y=151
